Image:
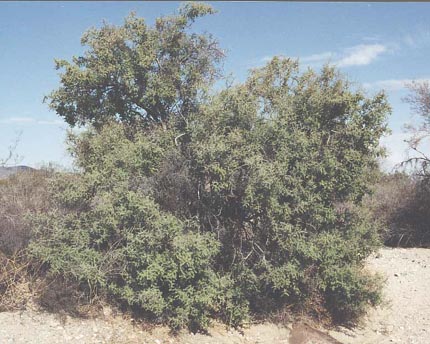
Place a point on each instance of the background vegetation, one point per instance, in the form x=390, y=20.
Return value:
x=401, y=204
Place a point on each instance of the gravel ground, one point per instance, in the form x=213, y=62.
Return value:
x=404, y=318
x=35, y=328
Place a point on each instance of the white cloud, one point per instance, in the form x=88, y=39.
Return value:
x=409, y=40
x=269, y=58
x=361, y=55
x=266, y=58
x=392, y=84
x=419, y=37
x=358, y=55
x=313, y=60
x=54, y=122
x=21, y=119
x=30, y=120
x=365, y=54
x=323, y=57
x=372, y=38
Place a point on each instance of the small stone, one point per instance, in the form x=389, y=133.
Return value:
x=396, y=274
x=107, y=311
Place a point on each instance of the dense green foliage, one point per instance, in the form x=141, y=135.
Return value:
x=138, y=73
x=105, y=229
x=246, y=204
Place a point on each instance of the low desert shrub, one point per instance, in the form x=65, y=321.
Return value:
x=401, y=203
x=21, y=194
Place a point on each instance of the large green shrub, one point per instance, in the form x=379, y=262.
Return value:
x=245, y=204
x=106, y=231
x=281, y=164
x=138, y=73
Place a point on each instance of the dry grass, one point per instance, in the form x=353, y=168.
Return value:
x=24, y=286
x=22, y=283
x=20, y=195
x=402, y=204
x=19, y=284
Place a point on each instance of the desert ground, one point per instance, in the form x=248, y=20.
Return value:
x=404, y=317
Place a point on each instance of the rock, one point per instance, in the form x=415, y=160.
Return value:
x=107, y=311
x=390, y=328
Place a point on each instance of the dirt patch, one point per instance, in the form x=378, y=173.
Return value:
x=405, y=315
x=34, y=327
x=306, y=334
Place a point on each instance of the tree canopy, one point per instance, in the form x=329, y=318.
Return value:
x=136, y=73
x=251, y=206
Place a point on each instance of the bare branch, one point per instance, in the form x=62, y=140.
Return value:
x=12, y=152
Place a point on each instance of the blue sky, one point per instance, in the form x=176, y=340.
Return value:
x=378, y=46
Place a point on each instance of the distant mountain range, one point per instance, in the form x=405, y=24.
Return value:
x=7, y=171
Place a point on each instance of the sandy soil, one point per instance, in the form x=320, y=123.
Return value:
x=32, y=327
x=404, y=318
